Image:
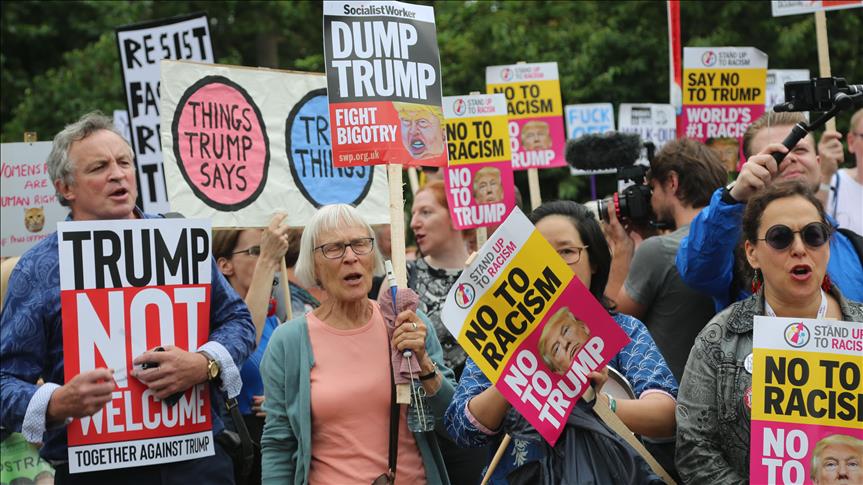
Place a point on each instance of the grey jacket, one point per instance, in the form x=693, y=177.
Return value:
x=712, y=419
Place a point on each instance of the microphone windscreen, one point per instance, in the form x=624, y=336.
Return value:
x=607, y=151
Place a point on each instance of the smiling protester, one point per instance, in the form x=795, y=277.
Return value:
x=786, y=243
x=327, y=374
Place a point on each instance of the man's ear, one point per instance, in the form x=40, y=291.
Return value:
x=226, y=266
x=673, y=182
x=64, y=189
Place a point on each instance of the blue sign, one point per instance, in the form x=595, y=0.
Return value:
x=308, y=145
x=583, y=119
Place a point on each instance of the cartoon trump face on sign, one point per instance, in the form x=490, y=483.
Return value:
x=487, y=187
x=422, y=130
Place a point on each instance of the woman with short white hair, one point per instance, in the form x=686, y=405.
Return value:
x=327, y=374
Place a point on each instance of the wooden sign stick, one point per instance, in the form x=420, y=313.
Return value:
x=286, y=287
x=533, y=184
x=414, y=180
x=397, y=223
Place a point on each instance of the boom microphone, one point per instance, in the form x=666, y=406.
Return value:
x=607, y=151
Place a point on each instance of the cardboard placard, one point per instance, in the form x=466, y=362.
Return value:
x=142, y=47
x=479, y=183
x=535, y=112
x=383, y=76
x=242, y=144
x=794, y=7
x=28, y=205
x=517, y=308
x=584, y=119
x=653, y=122
x=806, y=400
x=127, y=287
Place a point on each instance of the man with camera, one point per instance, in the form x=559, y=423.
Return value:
x=706, y=258
x=682, y=177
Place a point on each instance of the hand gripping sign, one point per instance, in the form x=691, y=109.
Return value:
x=383, y=77
x=479, y=184
x=530, y=325
x=127, y=287
x=535, y=110
x=807, y=401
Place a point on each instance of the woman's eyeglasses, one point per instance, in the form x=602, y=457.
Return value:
x=336, y=250
x=814, y=235
x=571, y=255
x=251, y=251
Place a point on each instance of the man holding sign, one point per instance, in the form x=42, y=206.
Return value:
x=92, y=170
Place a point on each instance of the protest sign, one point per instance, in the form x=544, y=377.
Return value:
x=776, y=79
x=142, y=47
x=591, y=118
x=479, y=184
x=723, y=93
x=243, y=143
x=121, y=123
x=127, y=287
x=20, y=462
x=807, y=399
x=793, y=7
x=653, y=122
x=383, y=76
x=522, y=315
x=28, y=206
x=535, y=109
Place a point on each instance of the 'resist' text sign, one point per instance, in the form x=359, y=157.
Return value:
x=530, y=325
x=127, y=287
x=384, y=86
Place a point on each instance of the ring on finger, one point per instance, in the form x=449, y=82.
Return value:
x=415, y=325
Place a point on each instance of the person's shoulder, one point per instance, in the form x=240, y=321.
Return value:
x=291, y=332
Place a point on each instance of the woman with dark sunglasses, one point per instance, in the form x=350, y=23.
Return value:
x=786, y=238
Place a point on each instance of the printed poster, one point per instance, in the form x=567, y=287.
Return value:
x=806, y=401
x=535, y=109
x=653, y=122
x=794, y=7
x=127, y=287
x=20, y=463
x=142, y=47
x=383, y=75
x=29, y=210
x=480, y=189
x=530, y=325
x=588, y=119
x=243, y=143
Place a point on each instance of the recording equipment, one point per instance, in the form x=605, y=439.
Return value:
x=632, y=204
x=828, y=94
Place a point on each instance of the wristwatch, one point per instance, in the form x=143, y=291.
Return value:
x=213, y=367
x=726, y=194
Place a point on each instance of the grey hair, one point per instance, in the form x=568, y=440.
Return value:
x=60, y=166
x=328, y=218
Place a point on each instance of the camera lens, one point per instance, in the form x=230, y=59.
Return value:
x=602, y=209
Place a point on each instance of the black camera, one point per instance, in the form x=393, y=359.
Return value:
x=633, y=203
x=818, y=94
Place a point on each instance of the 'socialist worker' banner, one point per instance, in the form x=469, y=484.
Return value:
x=127, y=287
x=243, y=143
x=479, y=184
x=807, y=401
x=535, y=109
x=530, y=325
x=142, y=48
x=723, y=92
x=383, y=77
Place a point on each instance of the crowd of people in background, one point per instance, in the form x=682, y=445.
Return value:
x=314, y=379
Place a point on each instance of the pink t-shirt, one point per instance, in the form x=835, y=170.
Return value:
x=351, y=407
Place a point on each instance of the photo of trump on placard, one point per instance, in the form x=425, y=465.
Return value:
x=487, y=187
x=836, y=460
x=535, y=135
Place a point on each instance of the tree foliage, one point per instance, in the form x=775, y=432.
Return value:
x=59, y=59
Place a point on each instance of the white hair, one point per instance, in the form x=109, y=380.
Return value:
x=329, y=218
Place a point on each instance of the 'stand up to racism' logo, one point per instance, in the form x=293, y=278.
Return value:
x=464, y=295
x=708, y=58
x=506, y=74
x=797, y=335
x=459, y=107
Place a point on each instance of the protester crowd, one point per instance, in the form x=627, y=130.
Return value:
x=316, y=392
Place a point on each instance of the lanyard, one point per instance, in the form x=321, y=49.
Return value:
x=822, y=310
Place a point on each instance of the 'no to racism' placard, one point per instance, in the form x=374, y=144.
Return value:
x=807, y=401
x=383, y=77
x=723, y=91
x=127, y=287
x=535, y=112
x=479, y=181
x=242, y=143
x=142, y=47
x=515, y=309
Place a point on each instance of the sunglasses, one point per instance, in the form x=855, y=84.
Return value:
x=814, y=235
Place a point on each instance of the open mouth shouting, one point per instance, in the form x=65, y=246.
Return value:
x=801, y=272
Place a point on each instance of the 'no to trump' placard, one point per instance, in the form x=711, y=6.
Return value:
x=535, y=112
x=530, y=325
x=479, y=182
x=383, y=77
x=127, y=287
x=807, y=401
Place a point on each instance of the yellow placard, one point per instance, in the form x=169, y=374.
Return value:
x=515, y=305
x=530, y=99
x=478, y=140
x=724, y=86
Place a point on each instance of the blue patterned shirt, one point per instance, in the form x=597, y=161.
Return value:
x=639, y=361
x=31, y=337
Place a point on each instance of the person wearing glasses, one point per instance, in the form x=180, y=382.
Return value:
x=249, y=259
x=327, y=374
x=479, y=414
x=786, y=243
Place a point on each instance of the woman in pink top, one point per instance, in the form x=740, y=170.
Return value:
x=327, y=374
